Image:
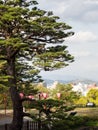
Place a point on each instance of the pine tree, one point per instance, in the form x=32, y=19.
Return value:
x=25, y=31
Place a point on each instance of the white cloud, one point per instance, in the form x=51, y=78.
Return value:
x=83, y=36
x=91, y=16
x=61, y=7
x=83, y=17
x=81, y=54
x=91, y=1
x=80, y=10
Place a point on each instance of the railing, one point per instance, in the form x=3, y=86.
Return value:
x=29, y=125
x=4, y=127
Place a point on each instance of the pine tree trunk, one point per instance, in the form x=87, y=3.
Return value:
x=17, y=110
x=17, y=121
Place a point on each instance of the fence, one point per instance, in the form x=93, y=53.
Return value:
x=27, y=125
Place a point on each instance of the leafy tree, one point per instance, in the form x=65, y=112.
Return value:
x=92, y=95
x=67, y=94
x=25, y=31
x=41, y=88
x=82, y=101
x=3, y=86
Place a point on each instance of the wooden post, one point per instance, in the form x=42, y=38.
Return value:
x=6, y=126
x=27, y=125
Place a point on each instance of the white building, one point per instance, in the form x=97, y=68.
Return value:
x=84, y=88
x=80, y=88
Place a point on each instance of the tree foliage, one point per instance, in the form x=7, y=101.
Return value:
x=24, y=33
x=93, y=93
x=67, y=94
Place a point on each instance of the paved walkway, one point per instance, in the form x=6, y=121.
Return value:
x=7, y=119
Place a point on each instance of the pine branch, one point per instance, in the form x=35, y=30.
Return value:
x=3, y=58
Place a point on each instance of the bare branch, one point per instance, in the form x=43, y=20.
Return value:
x=27, y=99
x=15, y=52
x=26, y=114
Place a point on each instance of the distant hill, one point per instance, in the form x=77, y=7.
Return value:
x=85, y=81
x=50, y=81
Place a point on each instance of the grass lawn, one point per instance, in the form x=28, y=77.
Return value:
x=86, y=117
x=88, y=111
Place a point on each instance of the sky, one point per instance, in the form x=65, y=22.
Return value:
x=82, y=16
